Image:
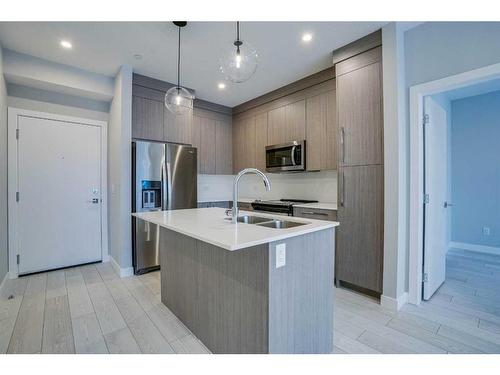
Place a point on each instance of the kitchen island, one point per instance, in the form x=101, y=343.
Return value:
x=248, y=288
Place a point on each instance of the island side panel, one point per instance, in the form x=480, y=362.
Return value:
x=220, y=295
x=301, y=295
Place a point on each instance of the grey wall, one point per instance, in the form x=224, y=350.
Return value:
x=475, y=140
x=3, y=173
x=119, y=169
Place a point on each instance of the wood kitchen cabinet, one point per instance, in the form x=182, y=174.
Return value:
x=177, y=129
x=359, y=251
x=223, y=147
x=321, y=130
x=287, y=123
x=260, y=141
x=212, y=136
x=147, y=119
x=246, y=144
x=360, y=115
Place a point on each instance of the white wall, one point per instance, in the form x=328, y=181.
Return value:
x=320, y=186
x=3, y=173
x=34, y=72
x=119, y=170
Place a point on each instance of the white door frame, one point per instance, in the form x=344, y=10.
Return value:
x=417, y=94
x=13, y=114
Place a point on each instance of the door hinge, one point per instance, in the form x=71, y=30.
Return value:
x=425, y=277
x=17, y=196
x=426, y=198
x=426, y=119
x=17, y=133
x=18, y=259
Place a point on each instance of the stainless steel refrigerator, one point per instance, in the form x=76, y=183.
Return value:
x=164, y=177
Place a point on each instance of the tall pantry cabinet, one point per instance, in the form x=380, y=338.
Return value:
x=359, y=254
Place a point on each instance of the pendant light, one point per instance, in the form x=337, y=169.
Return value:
x=178, y=100
x=239, y=63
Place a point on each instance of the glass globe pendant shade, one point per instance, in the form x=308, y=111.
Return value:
x=239, y=63
x=178, y=100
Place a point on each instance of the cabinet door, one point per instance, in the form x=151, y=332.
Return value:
x=223, y=147
x=260, y=141
x=238, y=144
x=295, y=125
x=177, y=129
x=321, y=127
x=249, y=149
x=276, y=124
x=359, y=252
x=359, y=99
x=207, y=146
x=287, y=123
x=147, y=119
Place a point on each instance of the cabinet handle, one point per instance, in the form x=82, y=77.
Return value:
x=342, y=142
x=342, y=194
x=314, y=213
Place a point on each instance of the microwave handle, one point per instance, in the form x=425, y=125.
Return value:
x=293, y=155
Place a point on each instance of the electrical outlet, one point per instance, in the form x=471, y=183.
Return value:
x=486, y=231
x=280, y=255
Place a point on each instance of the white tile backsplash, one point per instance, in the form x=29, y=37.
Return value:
x=320, y=186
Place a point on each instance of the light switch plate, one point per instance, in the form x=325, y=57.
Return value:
x=280, y=255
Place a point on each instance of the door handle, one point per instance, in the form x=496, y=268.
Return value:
x=94, y=201
x=163, y=191
x=446, y=205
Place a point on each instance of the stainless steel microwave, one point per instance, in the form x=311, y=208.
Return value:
x=286, y=157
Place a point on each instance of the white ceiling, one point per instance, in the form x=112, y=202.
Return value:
x=101, y=47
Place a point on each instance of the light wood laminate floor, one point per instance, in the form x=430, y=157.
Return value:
x=89, y=309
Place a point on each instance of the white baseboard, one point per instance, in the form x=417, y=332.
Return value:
x=123, y=272
x=477, y=248
x=105, y=257
x=394, y=304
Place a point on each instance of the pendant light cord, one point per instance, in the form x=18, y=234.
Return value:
x=179, y=60
x=238, y=31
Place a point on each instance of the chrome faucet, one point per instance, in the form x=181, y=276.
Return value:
x=267, y=184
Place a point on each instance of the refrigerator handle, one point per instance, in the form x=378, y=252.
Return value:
x=168, y=185
x=164, y=198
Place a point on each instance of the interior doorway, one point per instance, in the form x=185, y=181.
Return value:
x=57, y=190
x=449, y=181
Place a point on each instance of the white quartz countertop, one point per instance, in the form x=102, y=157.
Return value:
x=210, y=225
x=318, y=205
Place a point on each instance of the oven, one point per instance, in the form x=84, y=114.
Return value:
x=286, y=157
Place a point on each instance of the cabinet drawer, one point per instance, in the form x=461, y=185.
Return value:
x=315, y=213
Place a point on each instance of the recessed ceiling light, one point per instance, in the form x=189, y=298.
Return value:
x=307, y=37
x=66, y=44
x=221, y=86
x=138, y=56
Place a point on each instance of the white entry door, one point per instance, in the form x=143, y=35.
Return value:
x=436, y=188
x=59, y=184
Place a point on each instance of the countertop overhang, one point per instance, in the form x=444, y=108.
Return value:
x=210, y=225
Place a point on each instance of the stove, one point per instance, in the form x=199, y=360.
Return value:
x=281, y=206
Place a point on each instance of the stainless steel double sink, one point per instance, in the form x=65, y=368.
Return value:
x=268, y=222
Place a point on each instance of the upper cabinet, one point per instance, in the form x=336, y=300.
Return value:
x=212, y=135
x=360, y=116
x=177, y=129
x=208, y=127
x=245, y=142
x=321, y=130
x=287, y=123
x=147, y=119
